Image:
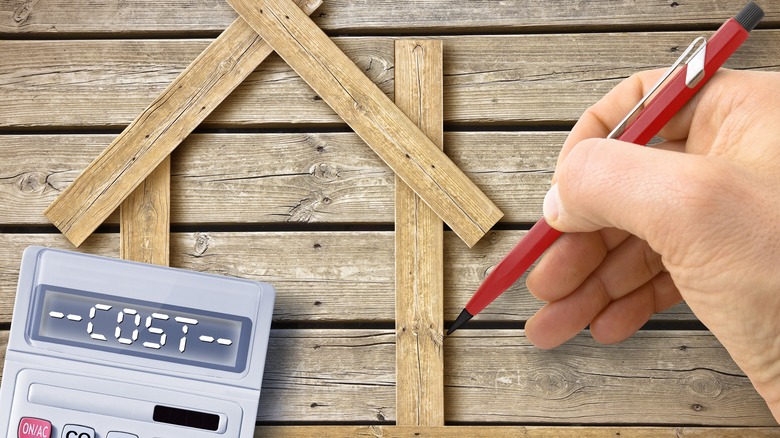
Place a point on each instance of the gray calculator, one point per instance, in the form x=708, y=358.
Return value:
x=105, y=348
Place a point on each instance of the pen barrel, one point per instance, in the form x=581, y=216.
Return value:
x=648, y=122
x=671, y=98
x=514, y=264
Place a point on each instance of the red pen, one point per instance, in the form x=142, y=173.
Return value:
x=699, y=63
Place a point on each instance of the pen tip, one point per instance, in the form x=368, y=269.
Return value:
x=463, y=318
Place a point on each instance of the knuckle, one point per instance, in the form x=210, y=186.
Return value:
x=653, y=263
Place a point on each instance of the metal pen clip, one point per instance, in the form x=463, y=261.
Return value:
x=693, y=76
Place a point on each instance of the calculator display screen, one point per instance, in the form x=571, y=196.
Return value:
x=140, y=328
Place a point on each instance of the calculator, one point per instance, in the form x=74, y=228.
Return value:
x=106, y=348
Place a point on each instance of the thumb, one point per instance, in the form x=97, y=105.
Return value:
x=608, y=183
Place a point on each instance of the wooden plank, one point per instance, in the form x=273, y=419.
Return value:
x=144, y=221
x=506, y=80
x=329, y=375
x=156, y=132
x=114, y=17
x=419, y=249
x=654, y=377
x=298, y=177
x=374, y=431
x=496, y=377
x=374, y=117
x=319, y=276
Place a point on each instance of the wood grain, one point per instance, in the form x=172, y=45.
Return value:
x=319, y=276
x=374, y=117
x=495, y=80
x=112, y=18
x=382, y=431
x=282, y=178
x=419, y=249
x=144, y=221
x=156, y=132
x=496, y=377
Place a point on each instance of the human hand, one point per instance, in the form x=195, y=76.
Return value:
x=694, y=217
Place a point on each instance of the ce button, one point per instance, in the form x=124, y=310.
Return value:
x=76, y=431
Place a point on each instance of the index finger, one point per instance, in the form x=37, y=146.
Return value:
x=601, y=118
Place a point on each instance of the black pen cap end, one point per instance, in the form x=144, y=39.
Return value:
x=749, y=16
x=463, y=318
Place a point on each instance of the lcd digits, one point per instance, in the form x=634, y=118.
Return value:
x=142, y=328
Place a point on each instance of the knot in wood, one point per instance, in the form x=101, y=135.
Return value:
x=360, y=108
x=325, y=171
x=33, y=182
x=551, y=385
x=704, y=383
x=227, y=64
x=202, y=242
x=23, y=12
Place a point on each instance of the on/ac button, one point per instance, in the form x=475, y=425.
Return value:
x=34, y=428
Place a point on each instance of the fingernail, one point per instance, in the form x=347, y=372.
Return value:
x=551, y=206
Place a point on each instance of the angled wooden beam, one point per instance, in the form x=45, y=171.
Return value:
x=145, y=219
x=419, y=249
x=156, y=132
x=372, y=115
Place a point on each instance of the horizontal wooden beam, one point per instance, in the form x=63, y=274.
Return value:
x=319, y=276
x=513, y=432
x=495, y=80
x=375, y=118
x=184, y=17
x=159, y=129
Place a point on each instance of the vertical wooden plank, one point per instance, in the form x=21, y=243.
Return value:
x=419, y=252
x=145, y=219
x=371, y=114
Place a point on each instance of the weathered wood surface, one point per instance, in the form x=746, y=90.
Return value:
x=135, y=153
x=144, y=219
x=143, y=17
x=278, y=178
x=319, y=276
x=293, y=170
x=500, y=80
x=398, y=141
x=419, y=249
x=495, y=376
